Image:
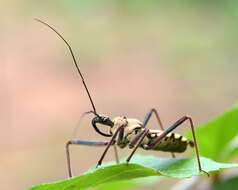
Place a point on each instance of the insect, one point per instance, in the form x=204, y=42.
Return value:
x=129, y=132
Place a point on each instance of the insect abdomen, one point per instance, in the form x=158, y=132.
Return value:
x=171, y=142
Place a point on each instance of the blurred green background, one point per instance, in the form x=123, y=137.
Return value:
x=179, y=57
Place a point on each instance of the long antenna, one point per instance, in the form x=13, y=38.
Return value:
x=75, y=62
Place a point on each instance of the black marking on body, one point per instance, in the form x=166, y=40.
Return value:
x=170, y=143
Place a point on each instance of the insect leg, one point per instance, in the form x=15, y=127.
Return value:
x=136, y=139
x=79, y=122
x=120, y=136
x=110, y=143
x=174, y=126
x=119, y=141
x=142, y=136
x=81, y=142
x=147, y=118
x=116, y=153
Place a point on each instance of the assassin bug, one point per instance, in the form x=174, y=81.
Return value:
x=131, y=132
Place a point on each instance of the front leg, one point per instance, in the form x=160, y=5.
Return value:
x=120, y=128
x=81, y=142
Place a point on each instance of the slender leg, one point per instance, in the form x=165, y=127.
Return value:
x=81, y=142
x=147, y=118
x=76, y=130
x=136, y=139
x=110, y=143
x=174, y=126
x=120, y=136
x=79, y=122
x=116, y=153
x=119, y=143
x=144, y=133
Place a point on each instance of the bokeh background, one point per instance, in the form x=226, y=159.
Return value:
x=179, y=57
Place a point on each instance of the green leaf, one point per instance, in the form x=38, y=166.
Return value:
x=122, y=185
x=118, y=185
x=228, y=184
x=140, y=166
x=218, y=139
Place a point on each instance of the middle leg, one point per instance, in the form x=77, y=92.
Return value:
x=139, y=138
x=147, y=118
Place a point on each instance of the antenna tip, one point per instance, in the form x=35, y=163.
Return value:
x=38, y=20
